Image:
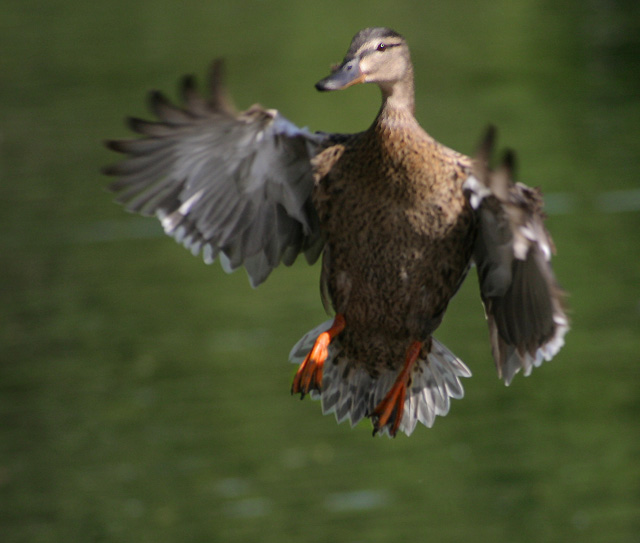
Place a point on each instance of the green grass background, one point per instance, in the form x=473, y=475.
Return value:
x=145, y=396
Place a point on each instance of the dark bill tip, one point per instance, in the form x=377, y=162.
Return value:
x=346, y=75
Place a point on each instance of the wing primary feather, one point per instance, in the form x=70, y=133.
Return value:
x=523, y=301
x=162, y=107
x=227, y=184
x=219, y=99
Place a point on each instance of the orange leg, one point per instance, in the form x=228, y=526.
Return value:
x=309, y=374
x=390, y=410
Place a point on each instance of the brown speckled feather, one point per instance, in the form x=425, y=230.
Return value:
x=399, y=232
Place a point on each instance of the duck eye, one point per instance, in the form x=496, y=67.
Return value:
x=381, y=47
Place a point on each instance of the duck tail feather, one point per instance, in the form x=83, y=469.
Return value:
x=351, y=393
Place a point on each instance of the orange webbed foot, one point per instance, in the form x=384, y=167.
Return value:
x=390, y=410
x=388, y=413
x=309, y=374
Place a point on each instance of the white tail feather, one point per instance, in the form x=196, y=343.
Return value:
x=351, y=393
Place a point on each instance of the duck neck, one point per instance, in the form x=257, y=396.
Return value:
x=399, y=95
x=398, y=106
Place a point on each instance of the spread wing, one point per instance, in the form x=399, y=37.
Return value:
x=523, y=302
x=231, y=185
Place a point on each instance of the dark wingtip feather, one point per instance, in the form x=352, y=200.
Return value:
x=187, y=88
x=112, y=145
x=188, y=83
x=193, y=101
x=148, y=128
x=483, y=155
x=156, y=101
x=219, y=98
x=115, y=145
x=136, y=124
x=509, y=162
x=485, y=149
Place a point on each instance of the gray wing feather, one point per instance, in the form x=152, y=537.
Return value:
x=230, y=185
x=523, y=302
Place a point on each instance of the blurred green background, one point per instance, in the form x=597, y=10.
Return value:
x=145, y=396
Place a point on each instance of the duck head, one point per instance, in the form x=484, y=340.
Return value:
x=376, y=55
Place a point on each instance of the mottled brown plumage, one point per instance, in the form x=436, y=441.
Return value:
x=398, y=217
x=399, y=234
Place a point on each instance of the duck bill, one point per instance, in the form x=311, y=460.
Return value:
x=346, y=75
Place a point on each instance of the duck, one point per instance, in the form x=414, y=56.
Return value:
x=396, y=218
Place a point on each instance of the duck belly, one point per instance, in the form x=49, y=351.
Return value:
x=392, y=274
